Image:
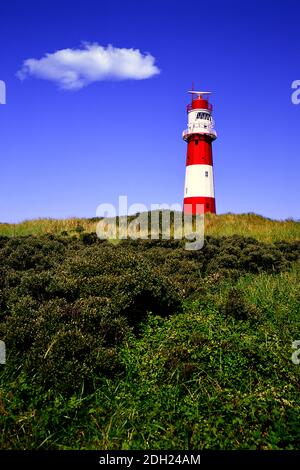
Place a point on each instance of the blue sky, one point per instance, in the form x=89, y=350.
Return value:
x=63, y=152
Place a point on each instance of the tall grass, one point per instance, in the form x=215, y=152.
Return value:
x=44, y=226
x=250, y=225
x=264, y=229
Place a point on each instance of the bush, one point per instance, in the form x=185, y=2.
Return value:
x=99, y=353
x=88, y=238
x=79, y=228
x=238, y=308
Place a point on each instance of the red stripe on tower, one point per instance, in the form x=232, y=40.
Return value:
x=199, y=193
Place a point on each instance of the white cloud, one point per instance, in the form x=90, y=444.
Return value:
x=72, y=69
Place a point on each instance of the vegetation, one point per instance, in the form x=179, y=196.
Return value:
x=145, y=345
x=249, y=225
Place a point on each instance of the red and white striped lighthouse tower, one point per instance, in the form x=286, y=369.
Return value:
x=199, y=179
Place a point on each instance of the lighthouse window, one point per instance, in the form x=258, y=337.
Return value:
x=206, y=174
x=202, y=115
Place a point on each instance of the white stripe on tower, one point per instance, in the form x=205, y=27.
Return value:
x=199, y=181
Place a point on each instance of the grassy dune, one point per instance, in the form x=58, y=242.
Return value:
x=251, y=225
x=141, y=345
x=147, y=345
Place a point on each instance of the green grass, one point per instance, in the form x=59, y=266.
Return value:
x=44, y=226
x=250, y=225
x=144, y=345
x=195, y=380
x=198, y=381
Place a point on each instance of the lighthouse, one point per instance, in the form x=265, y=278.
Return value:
x=199, y=193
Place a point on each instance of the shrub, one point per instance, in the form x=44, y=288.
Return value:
x=88, y=238
x=257, y=258
x=79, y=228
x=238, y=308
x=60, y=346
x=92, y=294
x=98, y=353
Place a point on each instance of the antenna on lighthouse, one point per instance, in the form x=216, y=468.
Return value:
x=200, y=92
